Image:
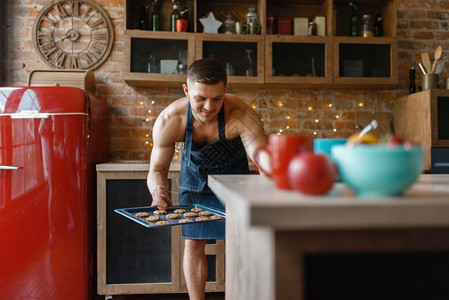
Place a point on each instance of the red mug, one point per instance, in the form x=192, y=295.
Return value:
x=182, y=25
x=281, y=149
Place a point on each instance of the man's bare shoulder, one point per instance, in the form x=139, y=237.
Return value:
x=236, y=107
x=171, y=121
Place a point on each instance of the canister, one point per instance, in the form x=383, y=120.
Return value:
x=285, y=26
x=320, y=22
x=300, y=26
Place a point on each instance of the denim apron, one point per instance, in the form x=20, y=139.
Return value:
x=220, y=157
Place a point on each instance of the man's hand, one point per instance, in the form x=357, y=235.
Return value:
x=161, y=197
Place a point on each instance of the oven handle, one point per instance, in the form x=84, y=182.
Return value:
x=9, y=168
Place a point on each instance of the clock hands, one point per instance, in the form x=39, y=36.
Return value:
x=64, y=38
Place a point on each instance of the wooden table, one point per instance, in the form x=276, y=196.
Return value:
x=272, y=235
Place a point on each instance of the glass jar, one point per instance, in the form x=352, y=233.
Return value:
x=251, y=16
x=229, y=24
x=367, y=27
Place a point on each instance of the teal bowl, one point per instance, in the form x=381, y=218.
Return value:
x=324, y=145
x=377, y=170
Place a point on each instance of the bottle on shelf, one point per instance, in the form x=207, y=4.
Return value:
x=184, y=15
x=353, y=20
x=366, y=28
x=412, y=87
x=378, y=27
x=229, y=25
x=156, y=16
x=144, y=23
x=174, y=16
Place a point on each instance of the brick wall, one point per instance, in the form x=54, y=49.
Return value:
x=422, y=25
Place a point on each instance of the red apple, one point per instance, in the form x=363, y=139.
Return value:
x=312, y=174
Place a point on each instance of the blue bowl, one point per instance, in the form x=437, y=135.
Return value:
x=377, y=170
x=324, y=145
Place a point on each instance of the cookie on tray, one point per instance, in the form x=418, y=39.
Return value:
x=172, y=216
x=190, y=215
x=162, y=222
x=203, y=218
x=205, y=213
x=185, y=220
x=179, y=211
x=159, y=212
x=141, y=214
x=196, y=209
x=153, y=218
x=215, y=217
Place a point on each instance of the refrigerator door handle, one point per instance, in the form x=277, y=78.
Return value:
x=9, y=168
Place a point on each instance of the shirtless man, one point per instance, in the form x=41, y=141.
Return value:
x=219, y=131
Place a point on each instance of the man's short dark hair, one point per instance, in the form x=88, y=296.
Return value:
x=206, y=70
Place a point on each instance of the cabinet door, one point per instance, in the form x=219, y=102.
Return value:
x=298, y=60
x=365, y=61
x=153, y=58
x=131, y=258
x=241, y=55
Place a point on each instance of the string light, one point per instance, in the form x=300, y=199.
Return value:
x=253, y=106
x=280, y=104
x=141, y=103
x=314, y=133
x=288, y=117
x=361, y=104
x=152, y=102
x=316, y=120
x=149, y=111
x=330, y=105
x=335, y=129
x=287, y=127
x=337, y=117
x=310, y=108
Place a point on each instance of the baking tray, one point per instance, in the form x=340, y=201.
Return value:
x=131, y=211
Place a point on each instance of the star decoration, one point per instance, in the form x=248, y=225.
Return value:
x=210, y=24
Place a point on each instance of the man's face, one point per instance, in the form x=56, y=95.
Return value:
x=205, y=99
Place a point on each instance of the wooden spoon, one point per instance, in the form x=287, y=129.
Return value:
x=437, y=56
x=426, y=61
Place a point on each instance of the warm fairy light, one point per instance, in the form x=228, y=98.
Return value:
x=361, y=104
x=280, y=130
x=147, y=135
x=330, y=104
x=287, y=127
x=141, y=103
x=147, y=142
x=310, y=108
x=335, y=129
x=152, y=102
x=149, y=111
x=314, y=133
x=147, y=119
x=337, y=117
x=288, y=117
x=150, y=144
x=316, y=120
x=280, y=104
x=253, y=106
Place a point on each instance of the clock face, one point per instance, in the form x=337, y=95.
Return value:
x=73, y=34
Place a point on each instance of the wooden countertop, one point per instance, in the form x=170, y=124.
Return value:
x=254, y=199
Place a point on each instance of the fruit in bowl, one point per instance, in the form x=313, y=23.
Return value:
x=378, y=170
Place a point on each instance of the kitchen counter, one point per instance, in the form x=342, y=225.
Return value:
x=270, y=232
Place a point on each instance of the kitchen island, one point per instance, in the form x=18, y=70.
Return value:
x=285, y=245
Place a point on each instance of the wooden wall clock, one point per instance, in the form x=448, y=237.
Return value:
x=73, y=34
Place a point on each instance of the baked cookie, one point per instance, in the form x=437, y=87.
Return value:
x=159, y=212
x=216, y=217
x=190, y=215
x=205, y=213
x=162, y=222
x=179, y=211
x=153, y=218
x=172, y=216
x=196, y=209
x=141, y=214
x=185, y=220
x=202, y=218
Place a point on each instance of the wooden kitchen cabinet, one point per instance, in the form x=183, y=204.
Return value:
x=132, y=259
x=334, y=60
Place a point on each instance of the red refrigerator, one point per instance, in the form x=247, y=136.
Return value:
x=50, y=140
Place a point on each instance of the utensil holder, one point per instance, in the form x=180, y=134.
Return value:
x=429, y=81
